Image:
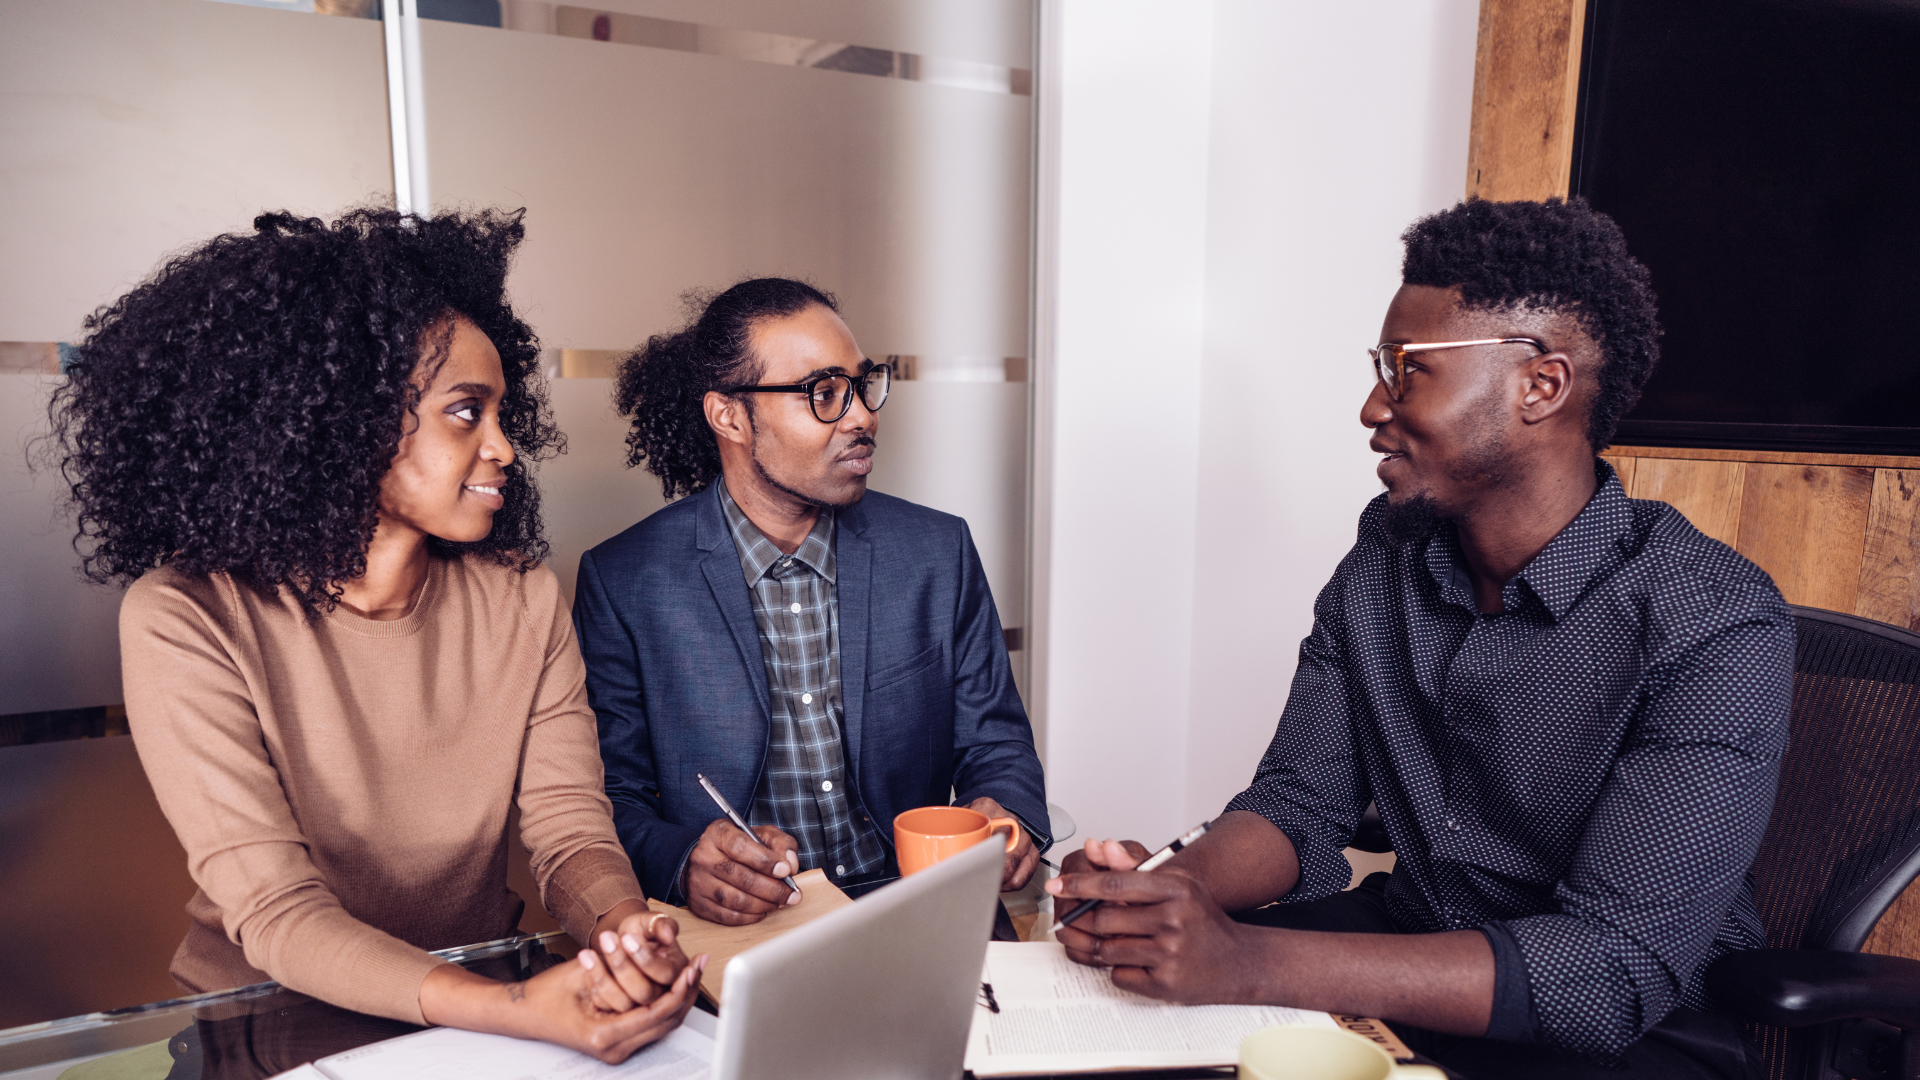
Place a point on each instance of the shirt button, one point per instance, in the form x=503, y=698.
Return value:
x=806, y=699
x=795, y=609
x=1452, y=825
x=840, y=870
x=826, y=785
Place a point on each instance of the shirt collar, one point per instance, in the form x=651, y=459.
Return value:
x=759, y=554
x=1563, y=569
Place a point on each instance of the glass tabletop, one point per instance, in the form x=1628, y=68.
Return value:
x=240, y=1034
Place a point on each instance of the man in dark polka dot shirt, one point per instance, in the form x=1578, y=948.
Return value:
x=1569, y=706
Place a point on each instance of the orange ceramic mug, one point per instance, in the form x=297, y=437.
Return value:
x=931, y=833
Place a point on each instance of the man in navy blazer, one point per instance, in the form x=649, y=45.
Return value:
x=826, y=656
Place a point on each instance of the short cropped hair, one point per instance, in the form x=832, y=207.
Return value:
x=1560, y=256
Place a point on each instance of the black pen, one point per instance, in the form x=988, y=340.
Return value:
x=1152, y=862
x=734, y=816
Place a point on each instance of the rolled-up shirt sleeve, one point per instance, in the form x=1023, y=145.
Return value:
x=1667, y=848
x=1310, y=783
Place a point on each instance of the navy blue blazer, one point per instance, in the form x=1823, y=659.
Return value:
x=675, y=674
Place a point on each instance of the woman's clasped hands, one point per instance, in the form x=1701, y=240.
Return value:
x=632, y=987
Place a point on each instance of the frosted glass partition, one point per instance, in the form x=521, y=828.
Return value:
x=647, y=171
x=133, y=128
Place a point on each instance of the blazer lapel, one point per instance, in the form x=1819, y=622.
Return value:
x=721, y=565
x=854, y=556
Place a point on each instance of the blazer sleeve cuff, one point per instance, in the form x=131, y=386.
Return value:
x=661, y=857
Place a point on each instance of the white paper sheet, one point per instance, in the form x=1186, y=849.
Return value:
x=1057, y=1016
x=452, y=1054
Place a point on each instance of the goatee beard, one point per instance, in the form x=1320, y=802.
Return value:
x=1412, y=520
x=803, y=497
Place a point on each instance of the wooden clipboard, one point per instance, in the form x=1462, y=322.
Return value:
x=722, y=943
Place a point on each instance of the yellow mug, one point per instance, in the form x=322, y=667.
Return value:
x=928, y=834
x=1311, y=1053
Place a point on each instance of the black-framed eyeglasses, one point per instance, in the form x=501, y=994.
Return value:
x=1390, y=360
x=830, y=396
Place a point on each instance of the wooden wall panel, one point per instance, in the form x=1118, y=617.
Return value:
x=1806, y=525
x=1707, y=492
x=1623, y=467
x=1526, y=83
x=1890, y=563
x=1898, y=931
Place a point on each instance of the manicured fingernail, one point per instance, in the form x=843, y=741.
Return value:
x=608, y=943
x=632, y=943
x=586, y=959
x=1052, y=886
x=793, y=898
x=780, y=869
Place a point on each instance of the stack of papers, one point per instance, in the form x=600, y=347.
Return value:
x=1057, y=1016
x=452, y=1054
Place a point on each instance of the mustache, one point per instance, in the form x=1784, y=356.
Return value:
x=861, y=440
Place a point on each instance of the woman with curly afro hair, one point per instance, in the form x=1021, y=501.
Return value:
x=306, y=448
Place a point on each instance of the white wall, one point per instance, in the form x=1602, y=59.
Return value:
x=1124, y=87
x=1223, y=220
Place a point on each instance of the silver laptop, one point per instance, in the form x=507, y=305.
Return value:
x=882, y=989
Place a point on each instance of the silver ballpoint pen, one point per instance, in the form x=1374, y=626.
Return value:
x=734, y=816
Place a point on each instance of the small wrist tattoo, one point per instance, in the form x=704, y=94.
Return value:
x=516, y=991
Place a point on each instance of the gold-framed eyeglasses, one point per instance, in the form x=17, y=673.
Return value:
x=830, y=396
x=1390, y=359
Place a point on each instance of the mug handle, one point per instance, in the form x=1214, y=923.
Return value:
x=1013, y=839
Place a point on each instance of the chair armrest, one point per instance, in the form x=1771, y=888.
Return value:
x=1797, y=987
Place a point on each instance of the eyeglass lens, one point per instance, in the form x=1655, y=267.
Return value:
x=832, y=395
x=1386, y=363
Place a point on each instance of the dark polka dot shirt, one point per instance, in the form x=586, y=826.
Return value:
x=1585, y=776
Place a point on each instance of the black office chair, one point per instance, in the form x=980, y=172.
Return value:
x=1844, y=842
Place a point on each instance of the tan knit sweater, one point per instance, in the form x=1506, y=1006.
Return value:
x=342, y=785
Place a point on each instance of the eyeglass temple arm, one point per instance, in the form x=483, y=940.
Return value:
x=1430, y=345
x=805, y=387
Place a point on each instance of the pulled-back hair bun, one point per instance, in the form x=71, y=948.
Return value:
x=662, y=388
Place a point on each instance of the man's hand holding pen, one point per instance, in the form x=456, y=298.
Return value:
x=734, y=879
x=1162, y=933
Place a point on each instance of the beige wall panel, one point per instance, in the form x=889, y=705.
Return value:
x=647, y=172
x=1890, y=563
x=1525, y=88
x=1806, y=525
x=986, y=31
x=1707, y=492
x=131, y=129
x=135, y=127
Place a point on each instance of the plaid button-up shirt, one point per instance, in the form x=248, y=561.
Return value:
x=805, y=789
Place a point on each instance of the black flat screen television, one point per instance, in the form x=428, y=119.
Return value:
x=1763, y=159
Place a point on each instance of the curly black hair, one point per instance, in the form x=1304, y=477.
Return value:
x=662, y=387
x=1560, y=255
x=235, y=412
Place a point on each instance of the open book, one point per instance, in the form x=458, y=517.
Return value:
x=453, y=1054
x=1059, y=1017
